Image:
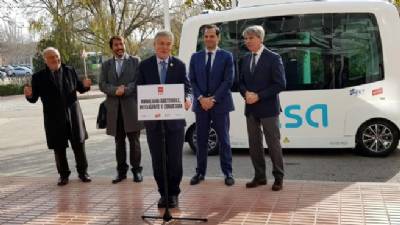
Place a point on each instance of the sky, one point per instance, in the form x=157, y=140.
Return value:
x=18, y=17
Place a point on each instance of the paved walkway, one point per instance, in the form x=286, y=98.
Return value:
x=39, y=201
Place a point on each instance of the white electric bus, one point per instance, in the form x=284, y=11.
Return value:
x=342, y=64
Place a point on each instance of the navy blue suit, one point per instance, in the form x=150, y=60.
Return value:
x=217, y=84
x=174, y=129
x=267, y=80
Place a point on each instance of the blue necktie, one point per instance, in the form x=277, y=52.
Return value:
x=119, y=67
x=208, y=71
x=163, y=75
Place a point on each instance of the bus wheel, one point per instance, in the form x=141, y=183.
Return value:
x=212, y=140
x=377, y=138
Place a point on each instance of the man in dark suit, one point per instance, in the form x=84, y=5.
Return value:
x=162, y=68
x=56, y=86
x=118, y=82
x=262, y=77
x=211, y=74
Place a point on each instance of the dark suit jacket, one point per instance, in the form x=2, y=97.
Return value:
x=62, y=112
x=176, y=74
x=219, y=83
x=267, y=81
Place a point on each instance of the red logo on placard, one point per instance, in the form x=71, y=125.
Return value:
x=377, y=91
x=160, y=90
x=157, y=115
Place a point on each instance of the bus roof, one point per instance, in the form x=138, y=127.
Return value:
x=251, y=3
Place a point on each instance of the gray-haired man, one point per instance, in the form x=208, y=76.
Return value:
x=163, y=68
x=262, y=77
x=56, y=86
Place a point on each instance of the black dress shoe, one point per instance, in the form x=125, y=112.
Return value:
x=229, y=181
x=255, y=183
x=278, y=185
x=137, y=177
x=118, y=179
x=173, y=201
x=85, y=178
x=162, y=202
x=196, y=179
x=62, y=181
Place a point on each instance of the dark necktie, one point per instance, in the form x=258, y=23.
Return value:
x=57, y=79
x=163, y=75
x=208, y=71
x=253, y=63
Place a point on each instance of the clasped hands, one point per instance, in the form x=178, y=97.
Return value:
x=251, y=97
x=207, y=103
x=120, y=91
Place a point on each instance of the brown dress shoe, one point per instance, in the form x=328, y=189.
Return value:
x=256, y=182
x=278, y=185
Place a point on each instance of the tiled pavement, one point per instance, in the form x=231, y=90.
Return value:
x=30, y=200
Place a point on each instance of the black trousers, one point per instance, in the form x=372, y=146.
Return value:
x=80, y=159
x=135, y=154
x=174, y=144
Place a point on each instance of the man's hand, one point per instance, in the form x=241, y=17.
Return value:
x=28, y=91
x=188, y=104
x=207, y=103
x=87, y=83
x=120, y=91
x=251, y=97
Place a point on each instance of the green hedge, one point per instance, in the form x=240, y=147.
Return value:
x=11, y=89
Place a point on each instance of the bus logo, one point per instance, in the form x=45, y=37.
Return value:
x=292, y=112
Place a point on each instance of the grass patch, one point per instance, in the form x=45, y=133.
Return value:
x=11, y=89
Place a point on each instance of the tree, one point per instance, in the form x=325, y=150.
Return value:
x=211, y=4
x=61, y=34
x=14, y=48
x=135, y=20
x=5, y=9
x=93, y=22
x=179, y=13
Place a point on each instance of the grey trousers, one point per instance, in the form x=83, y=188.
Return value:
x=270, y=127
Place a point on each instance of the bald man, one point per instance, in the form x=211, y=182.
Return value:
x=56, y=86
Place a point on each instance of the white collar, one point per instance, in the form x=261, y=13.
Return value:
x=125, y=56
x=259, y=52
x=165, y=60
x=212, y=51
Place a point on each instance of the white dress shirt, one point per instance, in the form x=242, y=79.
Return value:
x=213, y=52
x=259, y=52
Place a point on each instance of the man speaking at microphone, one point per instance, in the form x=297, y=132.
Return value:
x=162, y=68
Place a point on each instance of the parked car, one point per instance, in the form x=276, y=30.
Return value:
x=27, y=66
x=7, y=69
x=20, y=71
x=3, y=75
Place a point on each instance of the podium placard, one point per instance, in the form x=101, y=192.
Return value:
x=161, y=102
